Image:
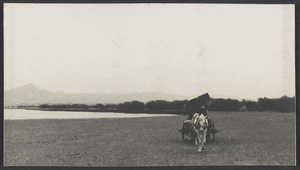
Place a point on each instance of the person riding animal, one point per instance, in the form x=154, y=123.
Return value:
x=203, y=111
x=197, y=105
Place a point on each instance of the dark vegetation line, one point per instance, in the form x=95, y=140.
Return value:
x=283, y=104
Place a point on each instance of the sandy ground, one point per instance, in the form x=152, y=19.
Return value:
x=244, y=139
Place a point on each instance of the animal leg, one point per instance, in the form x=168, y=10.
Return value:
x=200, y=144
x=200, y=148
x=196, y=138
x=204, y=135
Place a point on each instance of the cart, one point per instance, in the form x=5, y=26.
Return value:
x=187, y=130
x=194, y=106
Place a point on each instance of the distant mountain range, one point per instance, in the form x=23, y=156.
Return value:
x=31, y=95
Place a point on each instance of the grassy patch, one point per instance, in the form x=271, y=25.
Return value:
x=244, y=139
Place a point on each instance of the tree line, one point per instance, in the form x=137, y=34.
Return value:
x=283, y=104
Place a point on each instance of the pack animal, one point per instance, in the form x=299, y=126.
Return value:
x=200, y=125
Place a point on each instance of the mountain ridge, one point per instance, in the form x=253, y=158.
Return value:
x=29, y=94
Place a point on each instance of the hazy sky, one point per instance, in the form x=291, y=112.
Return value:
x=238, y=51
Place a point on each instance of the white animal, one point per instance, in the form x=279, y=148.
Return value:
x=200, y=125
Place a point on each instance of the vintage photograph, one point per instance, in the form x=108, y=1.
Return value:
x=149, y=84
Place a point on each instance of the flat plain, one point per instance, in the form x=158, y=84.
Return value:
x=244, y=138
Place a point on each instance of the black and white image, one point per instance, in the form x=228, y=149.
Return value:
x=149, y=84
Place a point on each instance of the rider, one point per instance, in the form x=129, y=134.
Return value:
x=196, y=105
x=191, y=114
x=202, y=109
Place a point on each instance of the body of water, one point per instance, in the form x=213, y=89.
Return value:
x=21, y=114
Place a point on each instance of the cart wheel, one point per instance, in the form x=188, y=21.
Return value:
x=213, y=130
x=182, y=132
